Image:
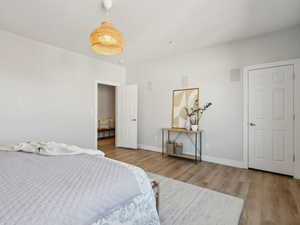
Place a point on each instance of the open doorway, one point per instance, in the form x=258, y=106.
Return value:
x=106, y=116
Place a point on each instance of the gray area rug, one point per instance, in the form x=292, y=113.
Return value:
x=186, y=204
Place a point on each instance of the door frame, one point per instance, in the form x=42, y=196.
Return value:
x=246, y=89
x=109, y=83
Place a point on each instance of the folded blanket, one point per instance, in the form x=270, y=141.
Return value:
x=51, y=149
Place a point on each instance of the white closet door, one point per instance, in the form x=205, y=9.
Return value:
x=271, y=119
x=127, y=110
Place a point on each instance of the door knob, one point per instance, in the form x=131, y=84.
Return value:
x=133, y=120
x=252, y=124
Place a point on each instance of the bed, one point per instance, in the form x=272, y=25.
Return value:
x=73, y=190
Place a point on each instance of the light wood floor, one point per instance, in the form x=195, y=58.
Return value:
x=270, y=199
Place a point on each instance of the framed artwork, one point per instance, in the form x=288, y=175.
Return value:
x=183, y=98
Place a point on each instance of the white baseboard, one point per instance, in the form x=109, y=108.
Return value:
x=150, y=148
x=222, y=161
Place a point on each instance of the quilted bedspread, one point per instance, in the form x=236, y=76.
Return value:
x=71, y=190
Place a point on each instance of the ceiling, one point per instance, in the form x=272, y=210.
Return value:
x=148, y=25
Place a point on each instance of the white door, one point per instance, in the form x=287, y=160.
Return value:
x=127, y=100
x=271, y=119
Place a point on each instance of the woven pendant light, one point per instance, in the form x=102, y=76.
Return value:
x=106, y=40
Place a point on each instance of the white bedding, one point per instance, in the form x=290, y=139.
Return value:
x=51, y=149
x=73, y=190
x=141, y=210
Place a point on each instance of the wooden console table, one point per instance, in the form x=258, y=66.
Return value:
x=198, y=134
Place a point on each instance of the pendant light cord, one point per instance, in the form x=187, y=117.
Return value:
x=106, y=5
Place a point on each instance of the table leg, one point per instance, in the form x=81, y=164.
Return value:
x=163, y=143
x=196, y=145
x=200, y=147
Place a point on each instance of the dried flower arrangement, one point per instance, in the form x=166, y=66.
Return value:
x=195, y=112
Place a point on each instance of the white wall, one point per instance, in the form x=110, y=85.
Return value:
x=297, y=122
x=208, y=69
x=47, y=93
x=106, y=102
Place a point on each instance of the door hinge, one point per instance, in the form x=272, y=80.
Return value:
x=294, y=76
x=294, y=116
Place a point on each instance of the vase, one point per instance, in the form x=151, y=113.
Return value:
x=194, y=127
